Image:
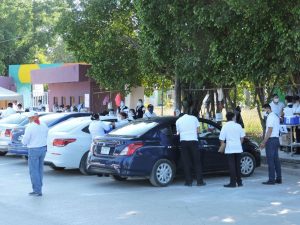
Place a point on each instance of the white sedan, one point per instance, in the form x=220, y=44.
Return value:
x=68, y=144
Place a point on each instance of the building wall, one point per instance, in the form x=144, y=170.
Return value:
x=67, y=90
x=21, y=77
x=7, y=83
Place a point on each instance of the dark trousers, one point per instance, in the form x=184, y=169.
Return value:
x=191, y=155
x=234, y=161
x=272, y=146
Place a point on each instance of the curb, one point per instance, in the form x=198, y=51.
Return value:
x=289, y=163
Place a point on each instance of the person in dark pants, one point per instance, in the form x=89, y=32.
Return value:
x=140, y=109
x=187, y=128
x=35, y=137
x=271, y=144
x=233, y=133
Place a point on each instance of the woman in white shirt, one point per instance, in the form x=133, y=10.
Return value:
x=97, y=127
x=233, y=134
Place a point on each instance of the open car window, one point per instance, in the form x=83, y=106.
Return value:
x=207, y=130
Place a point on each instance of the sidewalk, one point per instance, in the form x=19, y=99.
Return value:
x=286, y=159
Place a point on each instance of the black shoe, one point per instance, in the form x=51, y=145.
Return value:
x=269, y=182
x=201, y=184
x=278, y=181
x=230, y=185
x=35, y=194
x=188, y=184
x=240, y=184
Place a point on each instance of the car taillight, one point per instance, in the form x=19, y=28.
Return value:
x=131, y=148
x=63, y=142
x=7, y=132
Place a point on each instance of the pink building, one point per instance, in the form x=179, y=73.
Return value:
x=70, y=85
x=7, y=83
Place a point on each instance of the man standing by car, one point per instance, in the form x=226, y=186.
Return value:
x=9, y=110
x=271, y=142
x=35, y=137
x=187, y=128
x=234, y=135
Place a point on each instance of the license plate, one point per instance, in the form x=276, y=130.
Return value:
x=105, y=150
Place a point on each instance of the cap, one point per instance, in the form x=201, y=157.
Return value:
x=32, y=114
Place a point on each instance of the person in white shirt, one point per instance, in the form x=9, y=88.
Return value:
x=39, y=106
x=98, y=127
x=122, y=120
x=150, y=113
x=122, y=108
x=9, y=111
x=277, y=106
x=271, y=142
x=296, y=108
x=35, y=138
x=288, y=110
x=187, y=128
x=233, y=134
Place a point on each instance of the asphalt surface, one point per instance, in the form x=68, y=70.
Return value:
x=71, y=198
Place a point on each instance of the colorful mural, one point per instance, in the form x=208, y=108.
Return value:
x=21, y=76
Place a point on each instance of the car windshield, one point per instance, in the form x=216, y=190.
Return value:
x=134, y=129
x=70, y=124
x=16, y=118
x=47, y=119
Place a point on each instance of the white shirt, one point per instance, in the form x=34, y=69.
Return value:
x=296, y=108
x=121, y=123
x=9, y=111
x=232, y=132
x=287, y=111
x=277, y=108
x=149, y=115
x=187, y=128
x=35, y=135
x=274, y=122
x=98, y=128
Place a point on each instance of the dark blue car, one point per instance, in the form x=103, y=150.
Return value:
x=16, y=147
x=150, y=148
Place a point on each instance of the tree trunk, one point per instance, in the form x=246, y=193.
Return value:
x=177, y=93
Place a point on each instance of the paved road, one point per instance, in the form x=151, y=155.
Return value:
x=70, y=198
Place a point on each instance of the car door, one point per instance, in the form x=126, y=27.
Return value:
x=209, y=144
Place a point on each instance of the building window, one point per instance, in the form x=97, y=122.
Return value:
x=55, y=100
x=63, y=100
x=72, y=100
x=81, y=99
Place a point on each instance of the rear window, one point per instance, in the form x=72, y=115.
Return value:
x=16, y=118
x=47, y=119
x=133, y=129
x=70, y=124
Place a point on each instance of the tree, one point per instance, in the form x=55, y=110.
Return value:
x=104, y=34
x=27, y=29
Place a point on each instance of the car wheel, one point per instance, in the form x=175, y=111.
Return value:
x=3, y=153
x=162, y=173
x=248, y=164
x=83, y=165
x=119, y=178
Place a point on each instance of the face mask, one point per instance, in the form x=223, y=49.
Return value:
x=139, y=104
x=276, y=100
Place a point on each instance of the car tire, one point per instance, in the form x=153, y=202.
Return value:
x=248, y=164
x=3, y=153
x=163, y=173
x=83, y=165
x=119, y=178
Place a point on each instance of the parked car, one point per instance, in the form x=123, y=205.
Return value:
x=10, y=125
x=150, y=148
x=16, y=146
x=68, y=144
